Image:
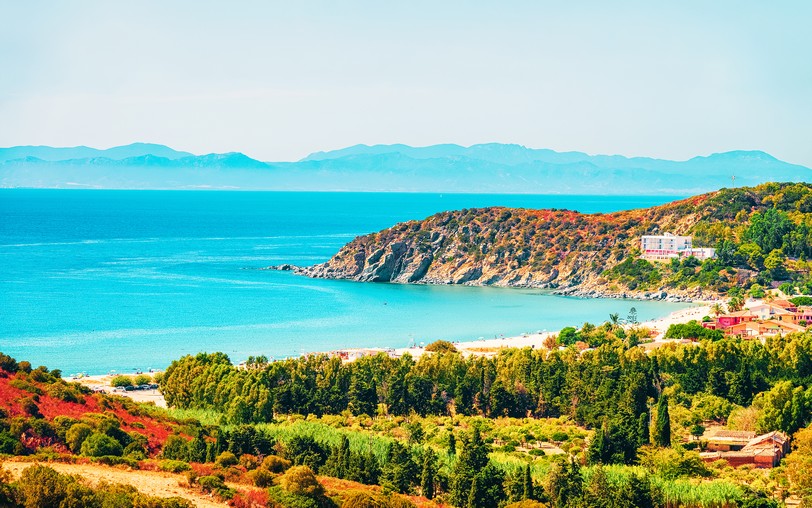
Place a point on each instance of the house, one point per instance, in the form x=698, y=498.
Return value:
x=764, y=451
x=722, y=440
x=785, y=304
x=765, y=311
x=664, y=246
x=668, y=246
x=352, y=354
x=751, y=329
x=802, y=315
x=734, y=318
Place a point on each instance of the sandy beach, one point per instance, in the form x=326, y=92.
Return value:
x=102, y=383
x=536, y=340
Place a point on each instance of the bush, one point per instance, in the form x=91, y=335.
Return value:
x=10, y=445
x=76, y=435
x=281, y=497
x=142, y=379
x=30, y=408
x=276, y=464
x=226, y=459
x=358, y=499
x=121, y=381
x=173, y=466
x=801, y=300
x=261, y=477
x=249, y=461
x=441, y=346
x=99, y=445
x=175, y=448
x=302, y=481
x=113, y=460
x=559, y=436
x=8, y=363
x=136, y=450
x=527, y=503
x=216, y=485
x=41, y=486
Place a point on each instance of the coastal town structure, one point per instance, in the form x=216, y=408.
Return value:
x=777, y=317
x=668, y=246
x=738, y=448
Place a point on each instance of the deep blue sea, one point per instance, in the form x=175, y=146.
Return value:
x=93, y=281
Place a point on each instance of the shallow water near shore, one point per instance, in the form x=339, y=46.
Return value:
x=93, y=281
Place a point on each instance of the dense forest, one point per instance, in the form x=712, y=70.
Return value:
x=610, y=383
x=762, y=234
x=462, y=461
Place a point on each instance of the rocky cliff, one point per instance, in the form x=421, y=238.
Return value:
x=560, y=249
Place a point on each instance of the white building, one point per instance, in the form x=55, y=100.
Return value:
x=669, y=246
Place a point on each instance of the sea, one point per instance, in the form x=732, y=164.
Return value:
x=94, y=281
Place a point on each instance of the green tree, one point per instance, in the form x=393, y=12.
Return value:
x=99, y=445
x=41, y=487
x=662, y=423
x=565, y=483
x=487, y=488
x=428, y=473
x=528, y=490
x=197, y=450
x=76, y=435
x=175, y=448
x=768, y=229
x=785, y=407
x=338, y=463
x=472, y=459
x=399, y=471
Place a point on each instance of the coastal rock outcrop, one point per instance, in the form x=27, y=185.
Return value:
x=568, y=252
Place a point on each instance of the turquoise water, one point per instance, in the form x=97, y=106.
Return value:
x=99, y=280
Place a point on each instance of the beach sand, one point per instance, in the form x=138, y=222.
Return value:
x=536, y=340
x=102, y=383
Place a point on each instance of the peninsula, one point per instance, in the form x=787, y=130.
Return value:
x=759, y=236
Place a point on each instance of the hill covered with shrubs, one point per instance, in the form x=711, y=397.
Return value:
x=762, y=234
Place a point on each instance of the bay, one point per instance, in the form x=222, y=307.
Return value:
x=95, y=281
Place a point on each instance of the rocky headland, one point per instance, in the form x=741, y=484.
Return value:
x=565, y=251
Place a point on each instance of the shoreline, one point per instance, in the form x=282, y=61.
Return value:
x=536, y=340
x=482, y=347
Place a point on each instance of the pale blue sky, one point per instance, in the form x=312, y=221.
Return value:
x=278, y=80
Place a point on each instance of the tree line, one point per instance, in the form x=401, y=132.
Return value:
x=613, y=384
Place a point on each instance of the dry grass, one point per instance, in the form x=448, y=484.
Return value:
x=153, y=483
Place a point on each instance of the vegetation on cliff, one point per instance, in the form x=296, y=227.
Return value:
x=761, y=234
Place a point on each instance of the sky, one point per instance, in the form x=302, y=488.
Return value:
x=279, y=80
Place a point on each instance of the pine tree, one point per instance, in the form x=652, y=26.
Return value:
x=472, y=459
x=662, y=425
x=475, y=498
x=527, y=484
x=338, y=463
x=197, y=450
x=428, y=473
x=599, y=447
x=399, y=472
x=452, y=443
x=642, y=429
x=565, y=483
x=487, y=488
x=598, y=493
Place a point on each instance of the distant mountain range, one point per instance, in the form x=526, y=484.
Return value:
x=485, y=168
